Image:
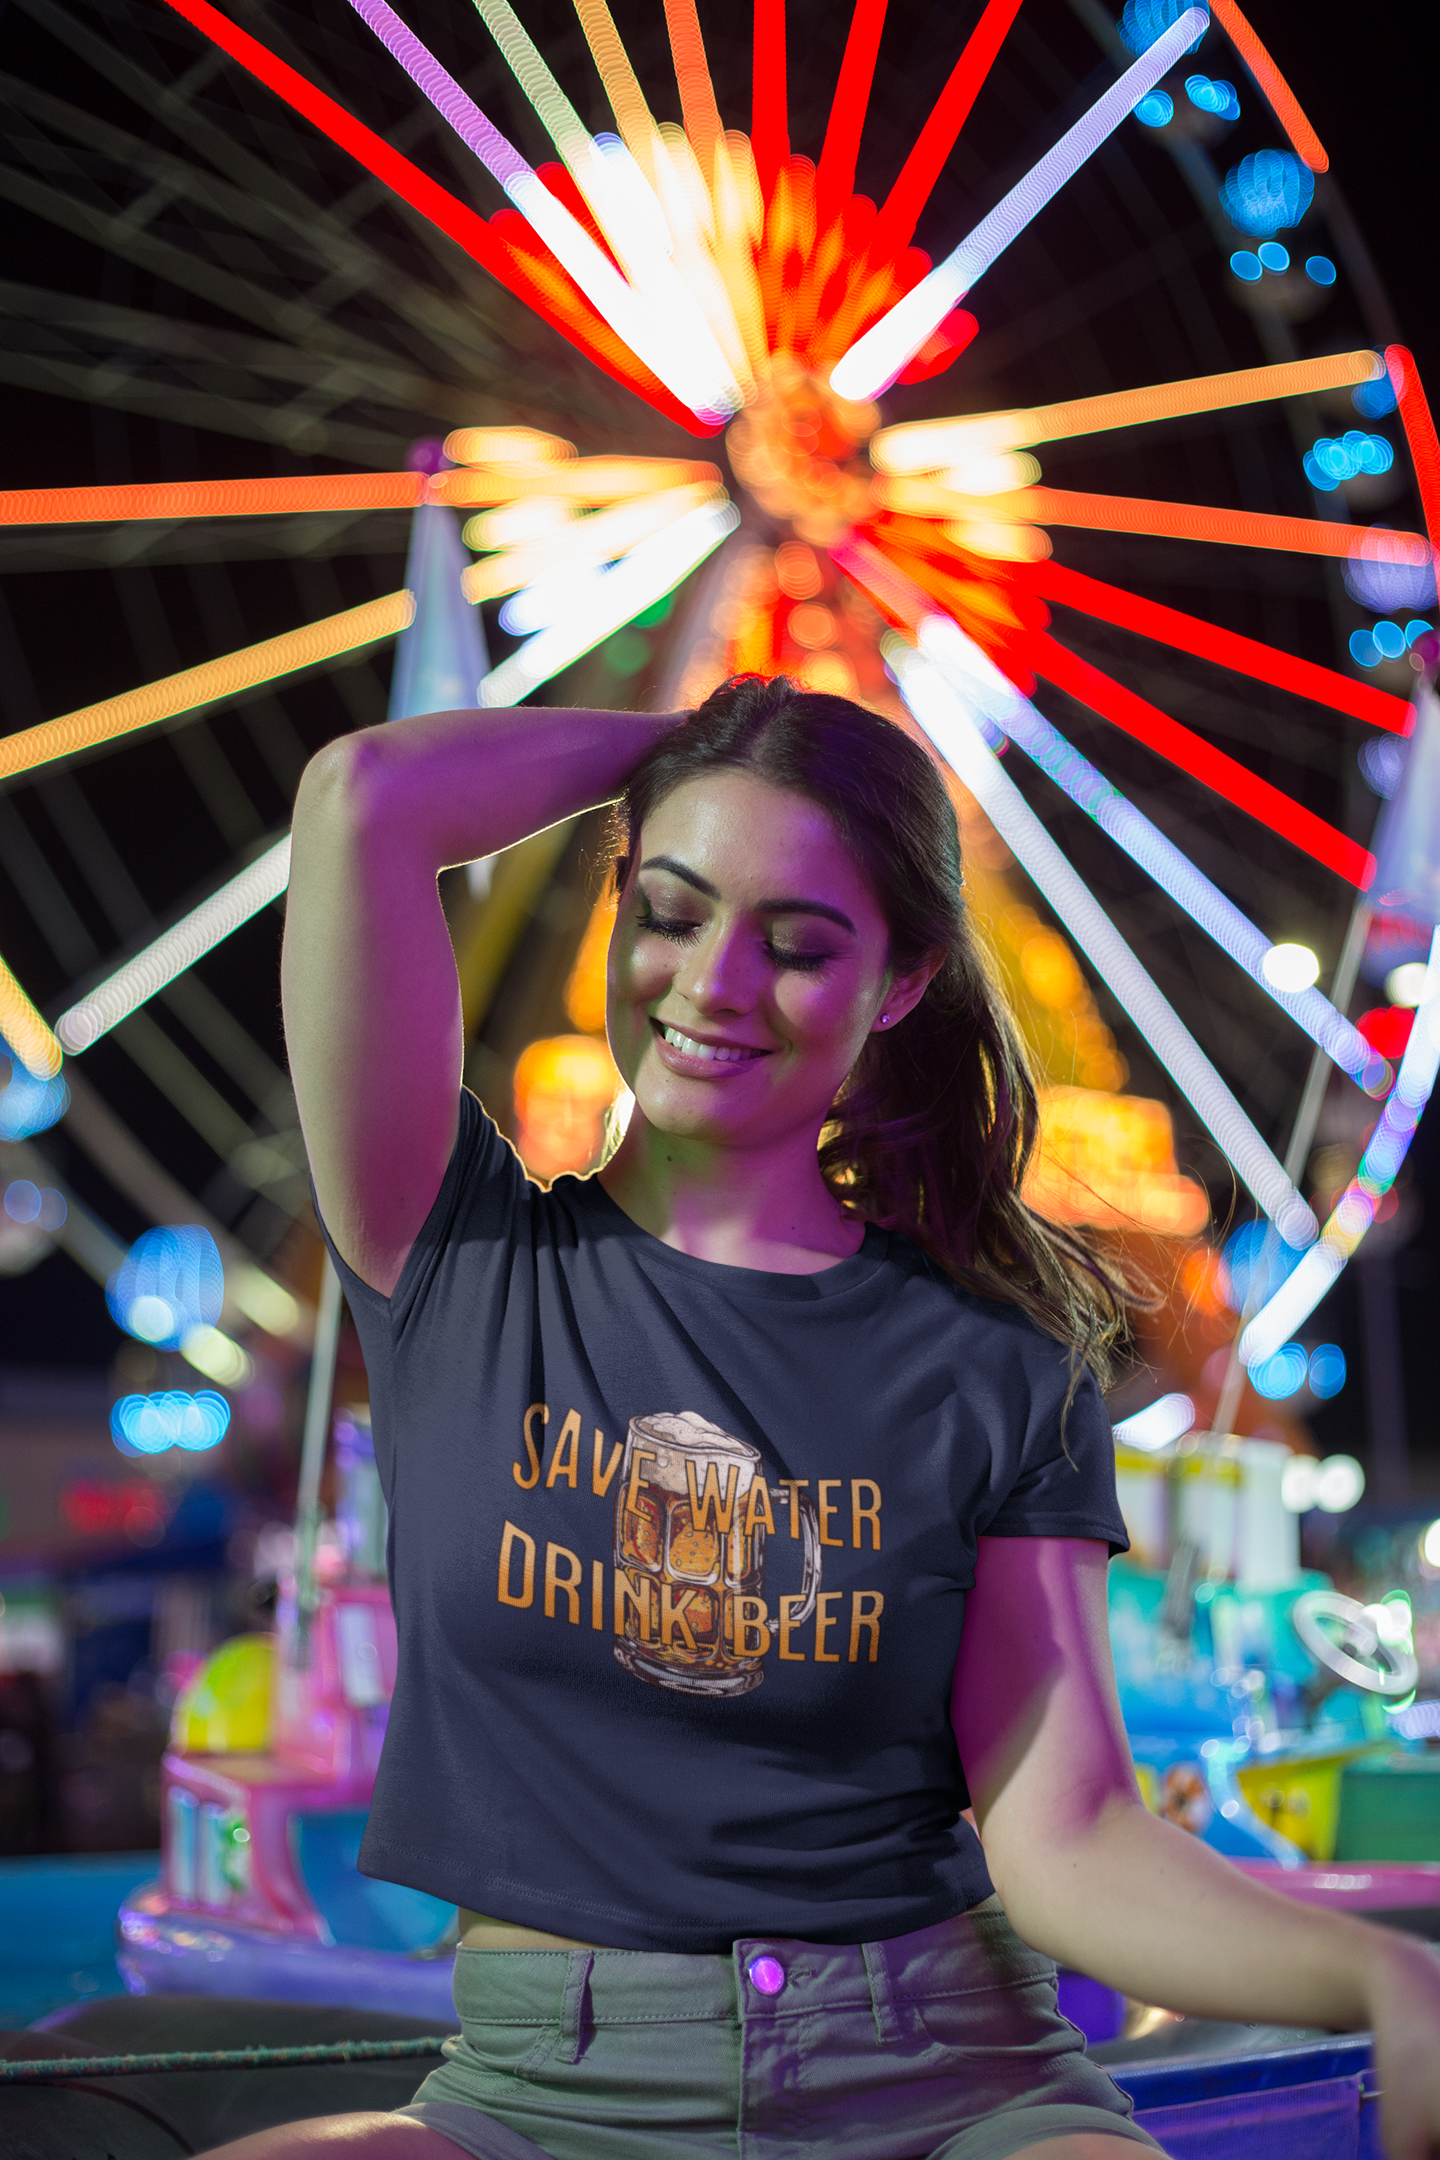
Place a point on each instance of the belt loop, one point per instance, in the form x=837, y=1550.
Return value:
x=572, y=2014
x=882, y=2002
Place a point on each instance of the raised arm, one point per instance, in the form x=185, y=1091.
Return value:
x=1087, y=1875
x=372, y=1002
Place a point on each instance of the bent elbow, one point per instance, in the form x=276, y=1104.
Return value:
x=342, y=787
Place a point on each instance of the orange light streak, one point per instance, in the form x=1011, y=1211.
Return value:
x=1225, y=776
x=506, y=446
x=25, y=1031
x=1419, y=425
x=739, y=222
x=622, y=85
x=1006, y=642
x=922, y=445
x=211, y=498
x=1137, y=514
x=587, y=480
x=1273, y=87
x=835, y=175
x=692, y=73
x=207, y=684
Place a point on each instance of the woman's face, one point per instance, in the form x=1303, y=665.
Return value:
x=748, y=965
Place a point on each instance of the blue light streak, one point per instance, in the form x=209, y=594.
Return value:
x=1331, y=460
x=149, y=1424
x=1142, y=21
x=1212, y=97
x=1281, y=1375
x=169, y=1282
x=1374, y=399
x=1267, y=191
x=1327, y=1370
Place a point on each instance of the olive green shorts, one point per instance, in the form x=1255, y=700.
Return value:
x=942, y=2045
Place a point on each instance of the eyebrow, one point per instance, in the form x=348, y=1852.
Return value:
x=793, y=905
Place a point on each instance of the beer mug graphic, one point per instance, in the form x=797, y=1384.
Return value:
x=690, y=1558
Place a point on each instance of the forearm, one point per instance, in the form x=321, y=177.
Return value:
x=444, y=788
x=1149, y=1910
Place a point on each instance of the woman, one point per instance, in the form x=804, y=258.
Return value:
x=695, y=1466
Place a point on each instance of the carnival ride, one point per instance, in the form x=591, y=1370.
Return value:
x=757, y=302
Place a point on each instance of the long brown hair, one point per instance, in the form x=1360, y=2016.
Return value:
x=935, y=1126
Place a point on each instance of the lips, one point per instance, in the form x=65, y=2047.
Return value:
x=685, y=1053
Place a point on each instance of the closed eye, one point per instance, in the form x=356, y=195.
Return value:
x=674, y=927
x=680, y=929
x=805, y=963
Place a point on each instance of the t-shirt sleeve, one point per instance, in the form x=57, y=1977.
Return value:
x=481, y=1189
x=1065, y=1483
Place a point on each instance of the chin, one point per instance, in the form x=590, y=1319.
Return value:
x=670, y=1107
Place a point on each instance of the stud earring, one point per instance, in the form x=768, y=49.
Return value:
x=884, y=1019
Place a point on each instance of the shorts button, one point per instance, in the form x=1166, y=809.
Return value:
x=766, y=1975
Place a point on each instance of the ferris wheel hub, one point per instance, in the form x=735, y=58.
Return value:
x=798, y=450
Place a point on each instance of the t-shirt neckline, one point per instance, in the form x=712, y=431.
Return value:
x=832, y=1281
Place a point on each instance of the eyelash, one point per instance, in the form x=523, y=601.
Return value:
x=679, y=932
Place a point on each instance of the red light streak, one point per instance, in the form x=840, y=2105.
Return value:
x=911, y=192
x=941, y=347
x=1419, y=427
x=1211, y=767
x=1387, y=1029
x=769, y=123
x=835, y=179
x=1246, y=656
x=555, y=298
x=1273, y=86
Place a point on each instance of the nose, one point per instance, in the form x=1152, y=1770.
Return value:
x=717, y=974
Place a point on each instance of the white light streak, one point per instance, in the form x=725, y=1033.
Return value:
x=874, y=360
x=943, y=713
x=652, y=334
x=1295, y=1300
x=263, y=1301
x=650, y=570
x=600, y=537
x=624, y=205
x=1157, y=1425
x=177, y=949
x=213, y=1353
x=995, y=698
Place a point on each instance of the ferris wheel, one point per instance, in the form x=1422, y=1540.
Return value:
x=1118, y=486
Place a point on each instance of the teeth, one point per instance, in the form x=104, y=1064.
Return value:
x=713, y=1053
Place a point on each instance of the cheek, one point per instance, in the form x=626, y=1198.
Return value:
x=829, y=1018
x=636, y=975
